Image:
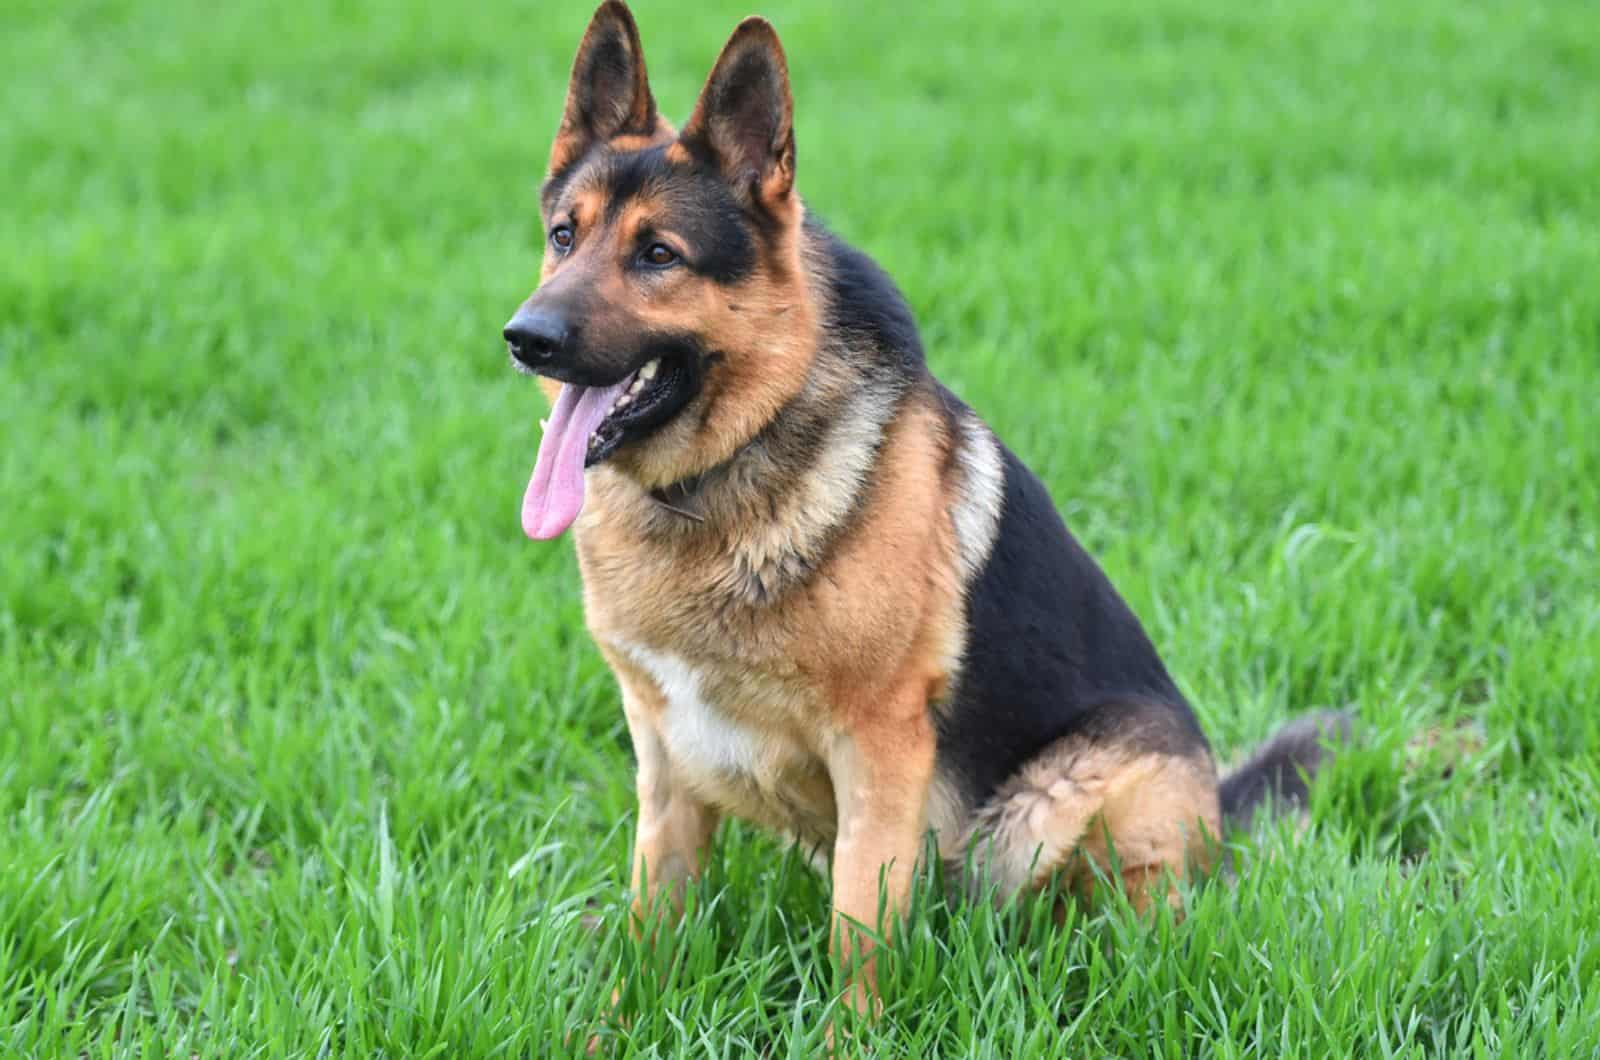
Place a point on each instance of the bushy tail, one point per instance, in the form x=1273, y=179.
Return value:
x=1279, y=772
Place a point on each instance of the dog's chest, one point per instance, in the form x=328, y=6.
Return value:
x=737, y=739
x=701, y=738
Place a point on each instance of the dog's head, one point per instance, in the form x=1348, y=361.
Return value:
x=672, y=306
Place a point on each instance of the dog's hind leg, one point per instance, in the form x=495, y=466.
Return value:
x=1090, y=811
x=1159, y=821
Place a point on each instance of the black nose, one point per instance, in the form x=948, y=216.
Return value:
x=535, y=336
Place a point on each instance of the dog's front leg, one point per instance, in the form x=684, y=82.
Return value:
x=674, y=827
x=881, y=767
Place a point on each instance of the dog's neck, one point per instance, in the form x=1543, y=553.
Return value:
x=678, y=496
x=776, y=506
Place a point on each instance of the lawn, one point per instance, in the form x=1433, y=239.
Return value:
x=304, y=751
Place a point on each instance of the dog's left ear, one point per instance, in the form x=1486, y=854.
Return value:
x=609, y=95
x=744, y=120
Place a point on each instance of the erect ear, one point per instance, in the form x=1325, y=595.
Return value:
x=744, y=119
x=609, y=94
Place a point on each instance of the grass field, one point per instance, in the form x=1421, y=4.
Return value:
x=303, y=749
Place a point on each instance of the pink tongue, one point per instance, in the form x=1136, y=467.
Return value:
x=555, y=493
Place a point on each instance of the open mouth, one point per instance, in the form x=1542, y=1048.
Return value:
x=588, y=424
x=648, y=398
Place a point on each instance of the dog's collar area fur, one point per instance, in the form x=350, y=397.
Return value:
x=677, y=496
x=681, y=497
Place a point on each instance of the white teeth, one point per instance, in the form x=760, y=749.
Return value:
x=640, y=378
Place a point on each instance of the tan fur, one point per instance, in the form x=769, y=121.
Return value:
x=664, y=134
x=1088, y=809
x=587, y=207
x=882, y=766
x=802, y=669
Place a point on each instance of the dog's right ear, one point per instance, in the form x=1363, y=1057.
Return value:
x=609, y=95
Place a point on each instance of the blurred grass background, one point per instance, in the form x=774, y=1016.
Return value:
x=303, y=749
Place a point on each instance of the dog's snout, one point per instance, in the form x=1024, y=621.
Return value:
x=536, y=336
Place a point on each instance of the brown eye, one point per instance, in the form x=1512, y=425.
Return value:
x=659, y=256
x=561, y=237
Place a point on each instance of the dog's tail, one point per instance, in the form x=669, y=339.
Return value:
x=1279, y=772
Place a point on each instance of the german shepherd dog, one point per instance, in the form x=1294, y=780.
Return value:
x=835, y=603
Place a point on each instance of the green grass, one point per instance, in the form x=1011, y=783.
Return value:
x=303, y=749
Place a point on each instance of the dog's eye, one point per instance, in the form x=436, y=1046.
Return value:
x=561, y=237
x=659, y=256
